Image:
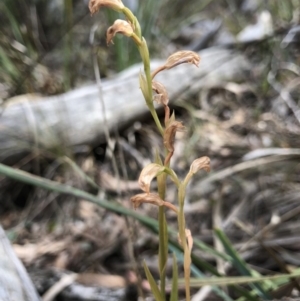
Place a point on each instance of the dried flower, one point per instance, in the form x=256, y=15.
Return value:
x=95, y=5
x=119, y=26
x=177, y=58
x=151, y=198
x=198, y=164
x=182, y=57
x=148, y=173
x=169, y=135
x=161, y=96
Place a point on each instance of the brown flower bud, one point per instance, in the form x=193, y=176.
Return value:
x=200, y=163
x=161, y=96
x=95, y=5
x=178, y=58
x=148, y=173
x=151, y=198
x=119, y=26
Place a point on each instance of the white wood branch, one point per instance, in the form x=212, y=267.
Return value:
x=75, y=118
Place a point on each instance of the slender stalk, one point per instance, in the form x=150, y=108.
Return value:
x=149, y=101
x=163, y=234
x=68, y=44
x=182, y=235
x=163, y=228
x=130, y=16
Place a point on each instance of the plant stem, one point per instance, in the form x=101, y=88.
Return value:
x=149, y=101
x=163, y=228
x=163, y=234
x=182, y=235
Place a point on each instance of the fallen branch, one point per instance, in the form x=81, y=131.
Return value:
x=76, y=118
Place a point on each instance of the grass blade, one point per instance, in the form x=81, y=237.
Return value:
x=174, y=291
x=195, y=282
x=240, y=264
x=154, y=288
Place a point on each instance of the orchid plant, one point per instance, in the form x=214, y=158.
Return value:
x=154, y=91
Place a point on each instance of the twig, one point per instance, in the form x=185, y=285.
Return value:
x=285, y=95
x=56, y=288
x=100, y=92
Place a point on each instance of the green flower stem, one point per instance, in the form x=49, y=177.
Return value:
x=173, y=175
x=144, y=51
x=149, y=100
x=163, y=234
x=163, y=229
x=130, y=17
x=181, y=219
x=182, y=235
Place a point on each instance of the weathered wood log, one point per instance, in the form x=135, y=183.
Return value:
x=76, y=118
x=15, y=284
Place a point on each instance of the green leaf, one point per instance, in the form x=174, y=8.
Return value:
x=195, y=282
x=7, y=65
x=154, y=288
x=241, y=265
x=15, y=26
x=174, y=292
